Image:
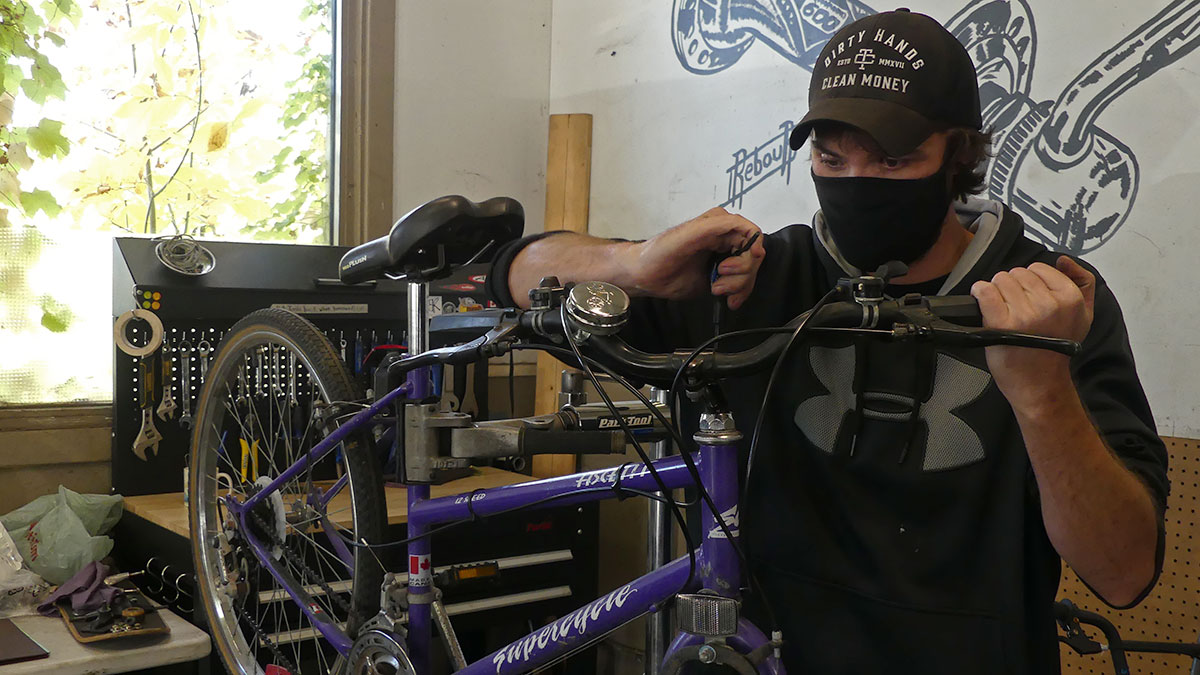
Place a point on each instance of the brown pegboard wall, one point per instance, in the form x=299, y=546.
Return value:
x=1171, y=612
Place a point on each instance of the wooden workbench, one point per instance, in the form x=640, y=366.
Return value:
x=168, y=510
x=67, y=657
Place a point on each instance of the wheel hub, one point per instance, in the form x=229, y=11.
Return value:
x=378, y=652
x=267, y=521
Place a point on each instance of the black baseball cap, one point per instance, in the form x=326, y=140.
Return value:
x=899, y=76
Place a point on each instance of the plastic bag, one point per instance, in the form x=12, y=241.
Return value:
x=20, y=589
x=58, y=535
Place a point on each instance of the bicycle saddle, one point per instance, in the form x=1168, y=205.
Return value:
x=428, y=242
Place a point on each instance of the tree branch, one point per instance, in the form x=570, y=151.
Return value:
x=199, y=98
x=132, y=46
x=151, y=224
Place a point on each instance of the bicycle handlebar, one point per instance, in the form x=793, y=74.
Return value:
x=591, y=316
x=1069, y=618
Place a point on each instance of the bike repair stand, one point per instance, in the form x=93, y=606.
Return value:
x=658, y=554
x=420, y=568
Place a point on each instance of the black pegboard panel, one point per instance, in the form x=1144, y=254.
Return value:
x=247, y=277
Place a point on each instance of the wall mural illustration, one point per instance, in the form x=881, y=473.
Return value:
x=1073, y=182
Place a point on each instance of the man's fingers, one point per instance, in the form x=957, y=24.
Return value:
x=1012, y=292
x=757, y=250
x=723, y=231
x=1085, y=280
x=1032, y=283
x=1062, y=286
x=991, y=302
x=738, y=298
x=731, y=284
x=1074, y=271
x=1056, y=281
x=737, y=265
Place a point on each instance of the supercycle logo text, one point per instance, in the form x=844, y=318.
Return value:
x=609, y=476
x=572, y=625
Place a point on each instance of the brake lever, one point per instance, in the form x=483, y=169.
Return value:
x=507, y=330
x=969, y=336
x=924, y=322
x=1078, y=640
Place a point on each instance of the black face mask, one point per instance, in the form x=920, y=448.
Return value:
x=876, y=220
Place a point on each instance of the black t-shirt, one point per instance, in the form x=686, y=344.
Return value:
x=895, y=523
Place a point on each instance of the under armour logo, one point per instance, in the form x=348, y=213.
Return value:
x=950, y=442
x=864, y=58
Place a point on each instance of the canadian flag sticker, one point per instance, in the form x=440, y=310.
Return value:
x=419, y=570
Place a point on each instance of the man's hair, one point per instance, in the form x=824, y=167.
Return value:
x=967, y=152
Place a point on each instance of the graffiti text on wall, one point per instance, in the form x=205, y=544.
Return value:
x=1072, y=181
x=751, y=167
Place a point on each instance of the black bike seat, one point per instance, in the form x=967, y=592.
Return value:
x=434, y=238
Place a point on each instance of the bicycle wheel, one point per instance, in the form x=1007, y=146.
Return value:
x=269, y=397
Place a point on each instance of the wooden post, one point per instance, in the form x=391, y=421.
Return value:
x=568, y=190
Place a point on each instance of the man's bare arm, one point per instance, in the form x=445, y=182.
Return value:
x=1098, y=514
x=672, y=265
x=570, y=257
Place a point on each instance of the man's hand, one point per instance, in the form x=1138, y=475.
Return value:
x=1098, y=514
x=675, y=264
x=1043, y=300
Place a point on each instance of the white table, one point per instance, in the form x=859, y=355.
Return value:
x=68, y=657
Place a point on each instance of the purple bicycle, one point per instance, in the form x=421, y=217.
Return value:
x=289, y=551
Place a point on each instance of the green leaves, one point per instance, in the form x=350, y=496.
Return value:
x=47, y=140
x=39, y=200
x=45, y=81
x=56, y=317
x=24, y=69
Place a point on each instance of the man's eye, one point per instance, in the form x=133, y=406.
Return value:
x=893, y=162
x=830, y=161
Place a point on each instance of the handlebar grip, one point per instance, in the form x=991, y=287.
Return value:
x=543, y=322
x=960, y=309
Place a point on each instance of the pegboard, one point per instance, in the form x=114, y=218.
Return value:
x=1171, y=612
x=196, y=311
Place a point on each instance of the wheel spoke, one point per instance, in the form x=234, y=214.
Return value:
x=253, y=634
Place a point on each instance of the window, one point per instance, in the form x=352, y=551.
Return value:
x=148, y=117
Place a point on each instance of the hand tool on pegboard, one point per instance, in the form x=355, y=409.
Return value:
x=167, y=407
x=148, y=437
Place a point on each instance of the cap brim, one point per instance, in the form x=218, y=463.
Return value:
x=897, y=129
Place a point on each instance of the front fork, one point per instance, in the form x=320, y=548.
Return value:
x=747, y=651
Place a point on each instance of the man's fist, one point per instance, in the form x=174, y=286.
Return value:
x=675, y=263
x=1042, y=300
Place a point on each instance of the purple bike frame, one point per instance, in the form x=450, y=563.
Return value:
x=718, y=568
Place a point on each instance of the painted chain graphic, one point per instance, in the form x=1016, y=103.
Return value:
x=1072, y=181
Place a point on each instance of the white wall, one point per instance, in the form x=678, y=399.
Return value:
x=472, y=84
x=664, y=139
x=476, y=80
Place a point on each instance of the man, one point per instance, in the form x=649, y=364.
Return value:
x=910, y=505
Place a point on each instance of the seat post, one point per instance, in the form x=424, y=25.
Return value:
x=420, y=625
x=418, y=323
